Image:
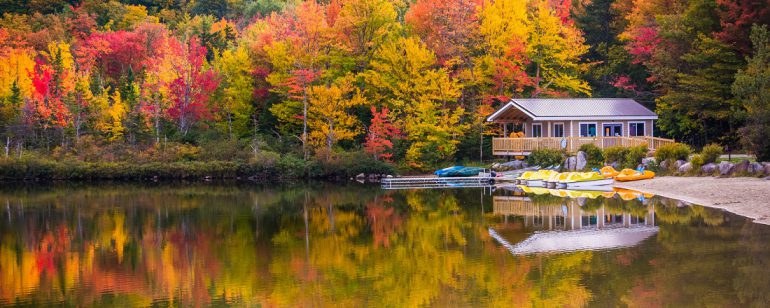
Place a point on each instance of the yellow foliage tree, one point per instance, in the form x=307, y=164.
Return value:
x=423, y=99
x=329, y=113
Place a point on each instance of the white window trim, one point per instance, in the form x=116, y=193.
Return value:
x=533, y=129
x=563, y=130
x=610, y=123
x=637, y=122
x=596, y=124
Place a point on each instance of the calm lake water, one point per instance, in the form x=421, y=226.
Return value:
x=357, y=245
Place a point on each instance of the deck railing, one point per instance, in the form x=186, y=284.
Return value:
x=523, y=146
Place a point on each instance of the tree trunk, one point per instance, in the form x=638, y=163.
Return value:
x=304, y=126
x=7, y=146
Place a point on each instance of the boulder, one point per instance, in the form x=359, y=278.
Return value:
x=581, y=160
x=756, y=168
x=570, y=163
x=524, y=164
x=615, y=165
x=511, y=165
x=678, y=164
x=725, y=167
x=767, y=168
x=664, y=164
x=709, y=168
x=685, y=168
x=741, y=167
x=648, y=162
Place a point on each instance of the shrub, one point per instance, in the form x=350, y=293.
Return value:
x=672, y=152
x=616, y=154
x=711, y=153
x=635, y=155
x=545, y=158
x=594, y=155
x=697, y=162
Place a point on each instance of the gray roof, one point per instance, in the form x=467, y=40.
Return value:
x=578, y=108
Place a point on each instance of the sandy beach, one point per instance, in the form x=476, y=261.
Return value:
x=749, y=197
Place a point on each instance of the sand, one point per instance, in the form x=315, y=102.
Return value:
x=749, y=197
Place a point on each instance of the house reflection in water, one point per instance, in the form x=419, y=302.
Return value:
x=562, y=221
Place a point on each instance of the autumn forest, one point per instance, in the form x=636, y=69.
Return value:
x=393, y=82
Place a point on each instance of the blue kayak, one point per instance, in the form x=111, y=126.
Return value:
x=441, y=172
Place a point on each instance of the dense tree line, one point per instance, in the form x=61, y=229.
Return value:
x=407, y=81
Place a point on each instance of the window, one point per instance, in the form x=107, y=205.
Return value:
x=587, y=129
x=558, y=130
x=537, y=130
x=613, y=130
x=636, y=129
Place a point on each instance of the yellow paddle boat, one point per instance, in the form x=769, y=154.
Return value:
x=627, y=175
x=539, y=177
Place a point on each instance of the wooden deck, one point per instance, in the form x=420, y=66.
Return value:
x=525, y=146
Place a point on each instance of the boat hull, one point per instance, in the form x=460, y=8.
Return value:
x=586, y=185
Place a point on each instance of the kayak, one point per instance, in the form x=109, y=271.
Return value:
x=464, y=172
x=626, y=175
x=584, y=180
x=449, y=169
x=608, y=172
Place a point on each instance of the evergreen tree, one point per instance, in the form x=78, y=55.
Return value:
x=752, y=88
x=700, y=107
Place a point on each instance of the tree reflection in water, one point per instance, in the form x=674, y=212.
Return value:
x=354, y=245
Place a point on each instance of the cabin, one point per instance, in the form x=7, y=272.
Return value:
x=567, y=123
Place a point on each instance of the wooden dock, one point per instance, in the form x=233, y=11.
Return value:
x=436, y=182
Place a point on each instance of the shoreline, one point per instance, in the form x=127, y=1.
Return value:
x=744, y=196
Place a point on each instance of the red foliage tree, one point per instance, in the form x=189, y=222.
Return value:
x=736, y=18
x=191, y=90
x=46, y=107
x=381, y=134
x=445, y=26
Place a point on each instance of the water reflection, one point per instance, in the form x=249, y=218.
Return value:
x=357, y=245
x=572, y=222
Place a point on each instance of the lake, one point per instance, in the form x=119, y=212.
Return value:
x=321, y=244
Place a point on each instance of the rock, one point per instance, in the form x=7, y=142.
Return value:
x=741, y=167
x=581, y=160
x=685, y=168
x=524, y=164
x=709, y=168
x=767, y=168
x=495, y=166
x=678, y=164
x=511, y=165
x=615, y=165
x=664, y=164
x=390, y=176
x=570, y=163
x=756, y=168
x=360, y=176
x=648, y=162
x=724, y=167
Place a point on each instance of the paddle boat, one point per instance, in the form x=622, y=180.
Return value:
x=584, y=181
x=538, y=178
x=627, y=175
